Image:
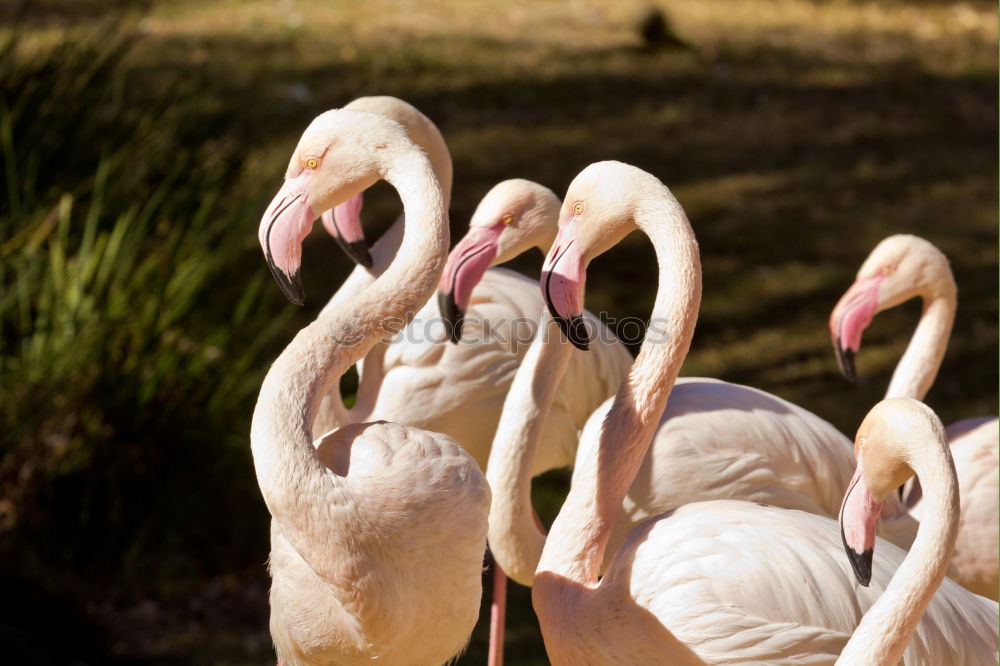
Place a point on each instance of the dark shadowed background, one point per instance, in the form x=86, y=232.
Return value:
x=141, y=141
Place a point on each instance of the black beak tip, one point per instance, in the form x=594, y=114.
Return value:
x=862, y=565
x=845, y=359
x=291, y=285
x=860, y=562
x=452, y=315
x=357, y=251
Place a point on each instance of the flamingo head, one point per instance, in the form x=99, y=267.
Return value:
x=881, y=449
x=853, y=313
x=338, y=156
x=513, y=217
x=597, y=212
x=899, y=268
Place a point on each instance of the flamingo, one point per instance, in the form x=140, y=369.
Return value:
x=378, y=533
x=900, y=438
x=902, y=267
x=723, y=581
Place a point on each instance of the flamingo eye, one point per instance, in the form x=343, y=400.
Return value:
x=578, y=208
x=312, y=162
x=507, y=219
x=887, y=270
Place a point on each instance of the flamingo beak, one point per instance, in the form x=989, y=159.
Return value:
x=344, y=224
x=853, y=313
x=858, y=515
x=466, y=265
x=286, y=223
x=564, y=275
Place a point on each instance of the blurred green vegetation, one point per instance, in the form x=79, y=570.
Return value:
x=125, y=396
x=141, y=141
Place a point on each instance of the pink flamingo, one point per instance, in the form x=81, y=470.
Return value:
x=902, y=267
x=712, y=582
x=378, y=532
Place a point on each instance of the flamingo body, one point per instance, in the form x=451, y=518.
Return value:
x=431, y=502
x=718, y=440
x=740, y=583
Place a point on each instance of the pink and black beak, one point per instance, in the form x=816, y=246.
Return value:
x=859, y=513
x=564, y=275
x=286, y=223
x=853, y=313
x=466, y=265
x=344, y=224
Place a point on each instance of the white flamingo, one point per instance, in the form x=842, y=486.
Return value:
x=902, y=267
x=712, y=582
x=900, y=438
x=378, y=533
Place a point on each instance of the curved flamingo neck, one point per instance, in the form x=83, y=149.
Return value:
x=514, y=537
x=312, y=506
x=885, y=630
x=332, y=413
x=915, y=373
x=605, y=469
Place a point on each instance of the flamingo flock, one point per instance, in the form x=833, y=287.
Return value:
x=706, y=522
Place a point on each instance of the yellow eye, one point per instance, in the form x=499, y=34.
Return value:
x=578, y=208
x=507, y=219
x=312, y=162
x=887, y=270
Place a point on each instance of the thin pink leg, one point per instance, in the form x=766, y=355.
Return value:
x=498, y=613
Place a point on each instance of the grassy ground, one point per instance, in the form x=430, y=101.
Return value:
x=138, y=317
